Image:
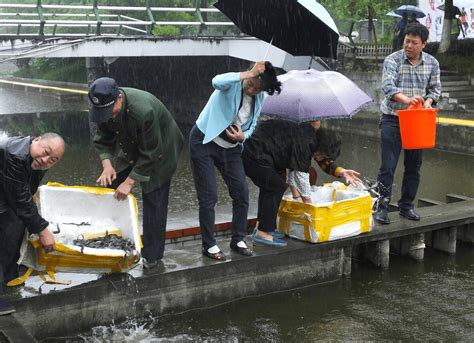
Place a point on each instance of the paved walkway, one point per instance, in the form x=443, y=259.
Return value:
x=454, y=121
x=190, y=219
x=41, y=87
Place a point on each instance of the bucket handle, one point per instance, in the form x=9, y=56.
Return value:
x=419, y=106
x=415, y=106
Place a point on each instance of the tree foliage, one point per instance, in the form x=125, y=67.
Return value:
x=345, y=11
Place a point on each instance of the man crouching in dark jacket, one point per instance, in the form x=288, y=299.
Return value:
x=23, y=162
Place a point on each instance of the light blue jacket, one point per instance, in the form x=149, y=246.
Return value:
x=223, y=105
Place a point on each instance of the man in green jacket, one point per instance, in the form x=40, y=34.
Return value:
x=138, y=130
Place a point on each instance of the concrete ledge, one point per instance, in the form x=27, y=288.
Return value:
x=424, y=202
x=451, y=198
x=12, y=331
x=187, y=281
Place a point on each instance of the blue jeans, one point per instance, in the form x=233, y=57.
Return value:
x=204, y=159
x=155, y=214
x=391, y=146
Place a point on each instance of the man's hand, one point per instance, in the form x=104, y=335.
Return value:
x=47, y=240
x=108, y=174
x=125, y=187
x=428, y=103
x=235, y=133
x=414, y=100
x=350, y=176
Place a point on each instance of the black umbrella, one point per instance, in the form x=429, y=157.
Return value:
x=300, y=27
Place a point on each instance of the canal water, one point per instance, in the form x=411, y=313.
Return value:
x=412, y=301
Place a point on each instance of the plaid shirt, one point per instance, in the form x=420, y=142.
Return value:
x=400, y=76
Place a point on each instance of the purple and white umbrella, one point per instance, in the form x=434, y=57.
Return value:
x=310, y=95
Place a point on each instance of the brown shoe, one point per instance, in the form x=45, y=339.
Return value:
x=240, y=250
x=219, y=256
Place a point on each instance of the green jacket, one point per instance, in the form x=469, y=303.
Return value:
x=143, y=135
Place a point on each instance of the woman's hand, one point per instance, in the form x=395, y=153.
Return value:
x=235, y=133
x=108, y=174
x=350, y=176
x=257, y=69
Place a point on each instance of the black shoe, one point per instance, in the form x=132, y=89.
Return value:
x=410, y=214
x=6, y=307
x=149, y=265
x=381, y=217
x=240, y=250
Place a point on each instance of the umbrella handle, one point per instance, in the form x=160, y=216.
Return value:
x=268, y=49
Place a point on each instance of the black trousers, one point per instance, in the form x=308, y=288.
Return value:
x=12, y=231
x=155, y=214
x=205, y=158
x=272, y=186
x=391, y=147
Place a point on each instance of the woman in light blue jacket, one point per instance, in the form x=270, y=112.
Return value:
x=227, y=120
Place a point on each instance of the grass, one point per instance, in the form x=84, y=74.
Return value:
x=66, y=70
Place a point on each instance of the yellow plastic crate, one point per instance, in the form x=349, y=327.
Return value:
x=330, y=221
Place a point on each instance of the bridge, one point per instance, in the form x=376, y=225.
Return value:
x=109, y=32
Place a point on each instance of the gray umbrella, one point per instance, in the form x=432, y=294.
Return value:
x=309, y=95
x=410, y=9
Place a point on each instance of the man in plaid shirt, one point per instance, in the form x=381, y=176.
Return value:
x=409, y=76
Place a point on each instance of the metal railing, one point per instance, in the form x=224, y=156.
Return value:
x=47, y=20
x=366, y=51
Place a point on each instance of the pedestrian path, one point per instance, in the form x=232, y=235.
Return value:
x=454, y=121
x=41, y=87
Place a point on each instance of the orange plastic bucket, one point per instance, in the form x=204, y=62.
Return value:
x=418, y=127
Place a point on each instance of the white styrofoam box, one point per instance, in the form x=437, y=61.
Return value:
x=65, y=206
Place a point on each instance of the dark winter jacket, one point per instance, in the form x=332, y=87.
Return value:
x=18, y=182
x=146, y=137
x=282, y=145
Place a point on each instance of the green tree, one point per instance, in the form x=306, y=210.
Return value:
x=344, y=12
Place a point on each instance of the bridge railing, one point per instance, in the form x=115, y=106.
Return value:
x=365, y=51
x=50, y=20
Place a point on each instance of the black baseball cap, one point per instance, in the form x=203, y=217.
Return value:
x=102, y=95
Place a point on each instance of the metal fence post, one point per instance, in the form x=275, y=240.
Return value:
x=39, y=8
x=97, y=17
x=202, y=27
x=149, y=28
